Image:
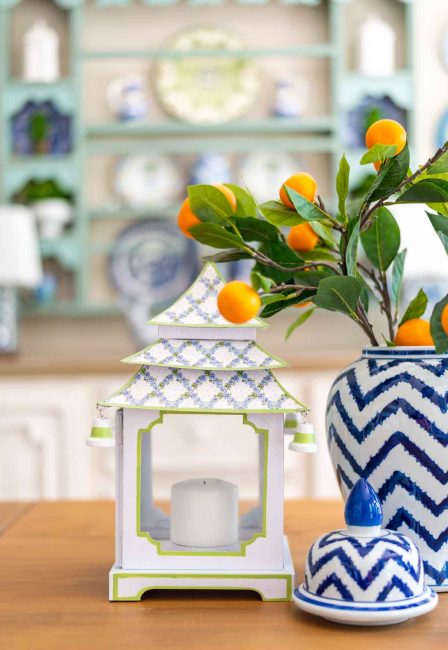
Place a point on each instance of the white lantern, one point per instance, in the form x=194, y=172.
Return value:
x=41, y=53
x=202, y=364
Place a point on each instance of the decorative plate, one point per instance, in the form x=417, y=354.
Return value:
x=207, y=89
x=264, y=172
x=145, y=181
x=152, y=262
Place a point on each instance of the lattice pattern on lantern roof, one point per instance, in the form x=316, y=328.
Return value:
x=222, y=391
x=197, y=307
x=206, y=355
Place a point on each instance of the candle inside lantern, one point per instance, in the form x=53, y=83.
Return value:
x=204, y=513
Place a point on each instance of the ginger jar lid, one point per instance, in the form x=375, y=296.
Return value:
x=364, y=574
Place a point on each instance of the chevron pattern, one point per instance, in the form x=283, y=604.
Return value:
x=387, y=422
x=379, y=569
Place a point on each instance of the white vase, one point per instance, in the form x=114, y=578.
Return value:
x=52, y=215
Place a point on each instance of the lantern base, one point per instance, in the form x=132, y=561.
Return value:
x=131, y=584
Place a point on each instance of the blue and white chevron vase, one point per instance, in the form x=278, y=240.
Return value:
x=387, y=422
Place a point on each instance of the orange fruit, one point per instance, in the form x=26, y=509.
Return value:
x=302, y=238
x=303, y=184
x=414, y=332
x=386, y=132
x=186, y=218
x=444, y=319
x=238, y=302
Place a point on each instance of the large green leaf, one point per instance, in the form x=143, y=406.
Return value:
x=299, y=321
x=391, y=174
x=214, y=235
x=232, y=255
x=306, y=209
x=318, y=254
x=209, y=204
x=338, y=293
x=283, y=255
x=440, y=337
x=379, y=152
x=342, y=182
x=430, y=190
x=351, y=252
x=439, y=167
x=381, y=241
x=324, y=233
x=416, y=307
x=397, y=277
x=277, y=214
x=312, y=277
x=245, y=202
x=252, y=229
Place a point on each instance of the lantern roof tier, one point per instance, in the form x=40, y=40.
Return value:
x=198, y=307
x=206, y=355
x=219, y=391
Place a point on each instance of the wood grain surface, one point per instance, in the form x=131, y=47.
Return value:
x=55, y=563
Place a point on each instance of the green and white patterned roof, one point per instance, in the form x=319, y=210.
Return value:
x=223, y=391
x=205, y=355
x=206, y=374
x=198, y=307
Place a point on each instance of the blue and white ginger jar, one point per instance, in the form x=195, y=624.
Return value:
x=387, y=423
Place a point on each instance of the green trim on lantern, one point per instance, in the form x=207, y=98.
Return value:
x=118, y=576
x=158, y=543
x=304, y=438
x=254, y=322
x=281, y=362
x=101, y=432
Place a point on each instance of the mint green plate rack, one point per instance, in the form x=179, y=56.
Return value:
x=74, y=249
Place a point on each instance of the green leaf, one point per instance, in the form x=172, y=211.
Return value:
x=282, y=254
x=390, y=344
x=440, y=224
x=339, y=294
x=416, y=307
x=397, y=277
x=438, y=334
x=351, y=253
x=232, y=255
x=381, y=241
x=277, y=214
x=269, y=298
x=252, y=229
x=312, y=277
x=318, y=254
x=430, y=190
x=379, y=152
x=305, y=209
x=213, y=235
x=324, y=233
x=245, y=202
x=366, y=291
x=342, y=181
x=439, y=167
x=391, y=174
x=274, y=307
x=299, y=321
x=209, y=204
x=260, y=281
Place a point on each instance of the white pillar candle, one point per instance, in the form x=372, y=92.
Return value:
x=204, y=513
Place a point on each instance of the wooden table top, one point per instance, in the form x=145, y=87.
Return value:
x=55, y=563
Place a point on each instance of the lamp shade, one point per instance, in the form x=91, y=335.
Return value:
x=20, y=264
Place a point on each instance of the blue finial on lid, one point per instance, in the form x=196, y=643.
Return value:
x=363, y=507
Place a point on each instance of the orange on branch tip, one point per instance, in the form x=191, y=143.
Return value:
x=386, y=132
x=415, y=331
x=186, y=218
x=303, y=184
x=238, y=302
x=302, y=238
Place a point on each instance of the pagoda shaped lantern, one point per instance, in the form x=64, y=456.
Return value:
x=202, y=364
